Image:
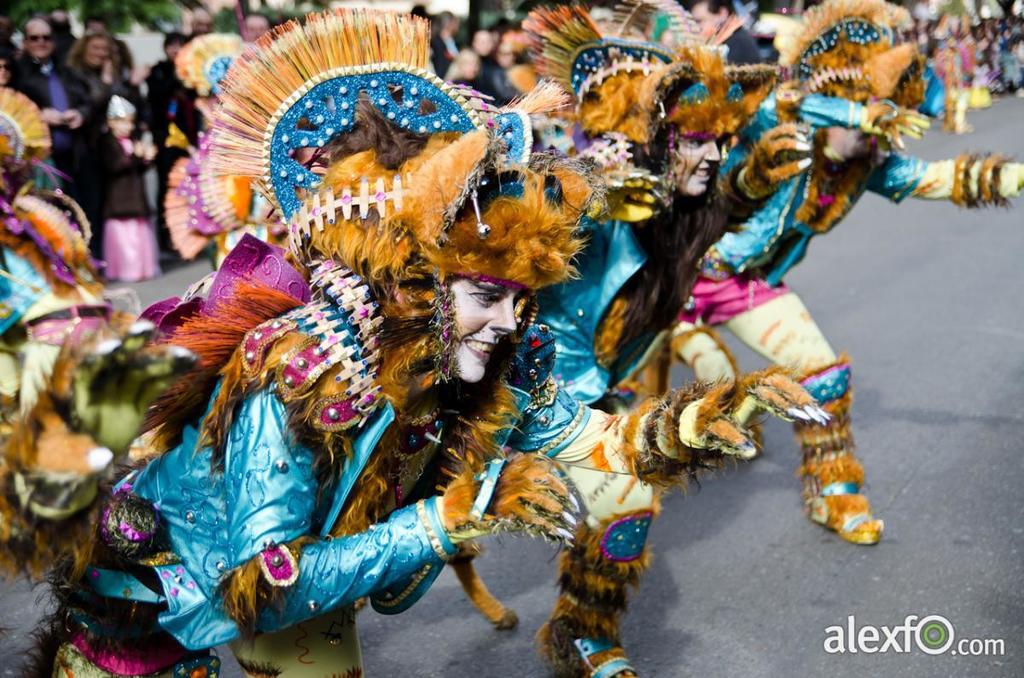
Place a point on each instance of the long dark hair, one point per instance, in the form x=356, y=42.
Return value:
x=674, y=241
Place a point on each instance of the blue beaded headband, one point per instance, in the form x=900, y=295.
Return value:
x=858, y=31
x=591, y=59
x=326, y=109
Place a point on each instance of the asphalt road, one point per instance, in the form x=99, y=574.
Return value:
x=925, y=297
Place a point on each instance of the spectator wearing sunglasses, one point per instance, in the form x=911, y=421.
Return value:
x=7, y=68
x=60, y=95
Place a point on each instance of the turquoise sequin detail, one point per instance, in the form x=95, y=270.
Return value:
x=695, y=94
x=329, y=108
x=829, y=385
x=625, y=538
x=592, y=59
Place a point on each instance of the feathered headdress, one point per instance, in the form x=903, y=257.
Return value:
x=376, y=161
x=846, y=49
x=23, y=134
x=204, y=61
x=199, y=205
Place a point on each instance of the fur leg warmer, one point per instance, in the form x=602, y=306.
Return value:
x=832, y=476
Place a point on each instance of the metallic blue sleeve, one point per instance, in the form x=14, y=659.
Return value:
x=815, y=109
x=548, y=426
x=217, y=522
x=269, y=485
x=934, y=103
x=897, y=177
x=818, y=110
x=396, y=555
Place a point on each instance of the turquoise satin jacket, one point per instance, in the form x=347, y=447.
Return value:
x=267, y=495
x=574, y=311
x=772, y=239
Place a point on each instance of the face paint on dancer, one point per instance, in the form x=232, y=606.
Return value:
x=484, y=314
x=695, y=164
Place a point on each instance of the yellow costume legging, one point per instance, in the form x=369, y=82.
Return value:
x=783, y=331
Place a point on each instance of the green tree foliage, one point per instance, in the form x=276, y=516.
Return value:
x=119, y=14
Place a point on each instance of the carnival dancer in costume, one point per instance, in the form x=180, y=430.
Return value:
x=845, y=52
x=297, y=468
x=49, y=285
x=198, y=208
x=654, y=118
x=75, y=376
x=954, y=63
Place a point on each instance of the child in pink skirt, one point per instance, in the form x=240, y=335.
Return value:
x=129, y=242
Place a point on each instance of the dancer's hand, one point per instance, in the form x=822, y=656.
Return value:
x=527, y=497
x=781, y=154
x=1015, y=172
x=887, y=120
x=706, y=425
x=114, y=385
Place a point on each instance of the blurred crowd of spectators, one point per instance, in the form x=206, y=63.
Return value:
x=72, y=78
x=993, y=49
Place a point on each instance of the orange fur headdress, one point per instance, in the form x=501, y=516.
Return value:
x=846, y=49
x=381, y=165
x=625, y=85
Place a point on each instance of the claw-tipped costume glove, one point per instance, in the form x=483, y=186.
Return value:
x=521, y=493
x=886, y=119
x=782, y=153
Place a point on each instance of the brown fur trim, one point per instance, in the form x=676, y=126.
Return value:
x=245, y=592
x=823, y=216
x=532, y=237
x=594, y=593
x=982, y=190
x=622, y=103
x=885, y=71
x=716, y=114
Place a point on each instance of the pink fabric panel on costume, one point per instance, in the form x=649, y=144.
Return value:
x=130, y=250
x=718, y=301
x=156, y=656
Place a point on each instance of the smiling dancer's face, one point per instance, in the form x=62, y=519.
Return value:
x=695, y=165
x=484, y=314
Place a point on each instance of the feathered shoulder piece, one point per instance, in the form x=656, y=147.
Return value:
x=204, y=61
x=23, y=134
x=199, y=206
